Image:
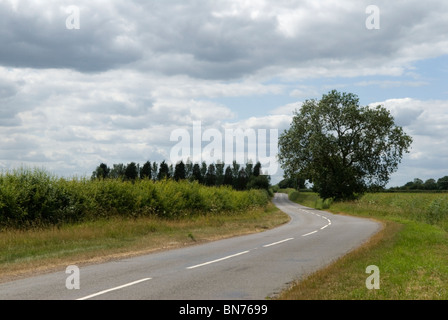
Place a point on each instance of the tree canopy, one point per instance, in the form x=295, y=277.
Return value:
x=341, y=147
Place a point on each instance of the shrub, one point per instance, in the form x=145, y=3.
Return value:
x=30, y=198
x=294, y=195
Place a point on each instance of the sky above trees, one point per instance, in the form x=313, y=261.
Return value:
x=115, y=88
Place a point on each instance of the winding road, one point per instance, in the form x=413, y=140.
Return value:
x=251, y=267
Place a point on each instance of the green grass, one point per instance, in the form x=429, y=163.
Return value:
x=431, y=208
x=410, y=251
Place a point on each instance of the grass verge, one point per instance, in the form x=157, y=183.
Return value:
x=411, y=256
x=36, y=251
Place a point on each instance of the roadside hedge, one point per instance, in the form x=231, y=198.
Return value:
x=34, y=198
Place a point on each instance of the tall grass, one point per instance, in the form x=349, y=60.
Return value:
x=410, y=250
x=35, y=198
x=431, y=208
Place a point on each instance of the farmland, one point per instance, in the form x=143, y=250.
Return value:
x=410, y=251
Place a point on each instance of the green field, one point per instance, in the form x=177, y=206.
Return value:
x=411, y=251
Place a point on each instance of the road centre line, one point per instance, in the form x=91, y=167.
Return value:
x=304, y=235
x=205, y=263
x=278, y=242
x=217, y=260
x=113, y=289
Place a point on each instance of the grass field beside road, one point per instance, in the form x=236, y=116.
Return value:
x=411, y=251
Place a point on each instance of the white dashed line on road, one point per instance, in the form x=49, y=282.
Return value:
x=113, y=289
x=307, y=234
x=217, y=260
x=278, y=242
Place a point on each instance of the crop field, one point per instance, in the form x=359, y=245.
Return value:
x=410, y=251
x=431, y=208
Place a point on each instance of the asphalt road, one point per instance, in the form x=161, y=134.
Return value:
x=249, y=267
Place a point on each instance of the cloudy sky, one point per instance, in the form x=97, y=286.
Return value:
x=85, y=82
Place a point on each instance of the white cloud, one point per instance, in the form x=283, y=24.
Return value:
x=390, y=83
x=68, y=119
x=425, y=122
x=287, y=109
x=278, y=121
x=135, y=71
x=420, y=118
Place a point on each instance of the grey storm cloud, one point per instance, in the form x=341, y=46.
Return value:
x=34, y=35
x=210, y=39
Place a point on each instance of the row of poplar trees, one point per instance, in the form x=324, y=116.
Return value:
x=239, y=177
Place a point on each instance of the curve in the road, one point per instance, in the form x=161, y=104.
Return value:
x=248, y=267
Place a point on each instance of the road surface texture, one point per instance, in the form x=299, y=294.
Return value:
x=251, y=267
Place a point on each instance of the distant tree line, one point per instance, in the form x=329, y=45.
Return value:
x=429, y=184
x=295, y=183
x=235, y=175
x=417, y=184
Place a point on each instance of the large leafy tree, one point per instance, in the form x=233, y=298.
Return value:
x=341, y=147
